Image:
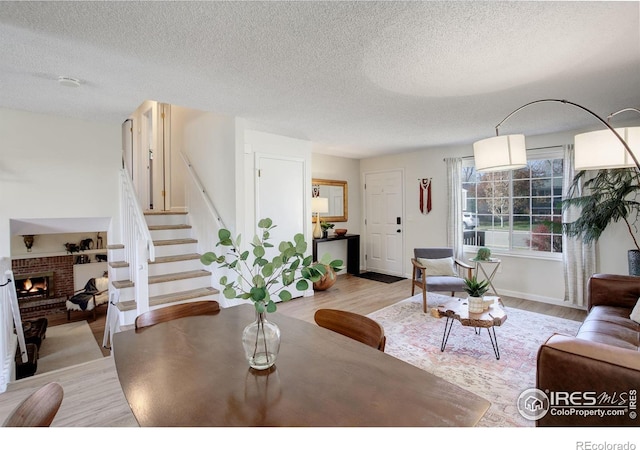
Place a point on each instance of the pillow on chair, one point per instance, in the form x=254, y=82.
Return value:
x=441, y=267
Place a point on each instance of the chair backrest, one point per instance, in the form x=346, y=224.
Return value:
x=200, y=308
x=38, y=409
x=355, y=326
x=433, y=252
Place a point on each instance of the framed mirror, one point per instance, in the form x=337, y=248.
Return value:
x=337, y=194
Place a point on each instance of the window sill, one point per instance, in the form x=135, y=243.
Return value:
x=517, y=254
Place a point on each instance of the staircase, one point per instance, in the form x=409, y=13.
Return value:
x=176, y=275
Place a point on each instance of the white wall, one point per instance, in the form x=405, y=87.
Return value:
x=55, y=167
x=209, y=141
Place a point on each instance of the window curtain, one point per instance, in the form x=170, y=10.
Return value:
x=454, y=203
x=579, y=258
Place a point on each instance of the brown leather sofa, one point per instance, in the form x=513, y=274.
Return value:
x=600, y=366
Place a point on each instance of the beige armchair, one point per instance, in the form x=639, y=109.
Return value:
x=94, y=294
x=436, y=270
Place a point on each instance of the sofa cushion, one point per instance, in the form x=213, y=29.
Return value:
x=611, y=325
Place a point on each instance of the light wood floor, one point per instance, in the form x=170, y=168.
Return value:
x=93, y=396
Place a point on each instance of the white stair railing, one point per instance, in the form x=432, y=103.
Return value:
x=203, y=215
x=138, y=245
x=10, y=320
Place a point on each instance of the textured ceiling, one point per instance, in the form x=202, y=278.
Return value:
x=357, y=78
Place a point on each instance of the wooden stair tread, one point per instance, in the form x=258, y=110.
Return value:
x=118, y=264
x=169, y=227
x=178, y=276
x=121, y=284
x=166, y=259
x=175, y=241
x=170, y=298
x=115, y=246
x=126, y=305
x=164, y=213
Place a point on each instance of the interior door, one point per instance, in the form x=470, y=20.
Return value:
x=154, y=142
x=127, y=146
x=384, y=222
x=280, y=195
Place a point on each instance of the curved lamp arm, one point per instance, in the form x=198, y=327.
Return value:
x=567, y=102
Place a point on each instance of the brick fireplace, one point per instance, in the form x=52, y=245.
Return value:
x=58, y=273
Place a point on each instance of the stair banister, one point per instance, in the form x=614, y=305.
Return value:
x=138, y=244
x=203, y=216
x=10, y=320
x=197, y=184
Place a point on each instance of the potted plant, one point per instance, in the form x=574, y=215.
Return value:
x=476, y=290
x=326, y=226
x=260, y=280
x=610, y=196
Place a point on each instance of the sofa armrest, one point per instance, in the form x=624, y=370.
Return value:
x=572, y=365
x=613, y=290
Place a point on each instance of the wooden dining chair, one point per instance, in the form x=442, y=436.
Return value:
x=200, y=308
x=38, y=409
x=355, y=326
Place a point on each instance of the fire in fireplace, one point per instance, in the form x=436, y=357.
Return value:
x=34, y=285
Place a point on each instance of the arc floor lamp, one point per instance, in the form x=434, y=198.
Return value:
x=602, y=149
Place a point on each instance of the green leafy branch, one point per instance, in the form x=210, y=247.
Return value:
x=611, y=196
x=258, y=278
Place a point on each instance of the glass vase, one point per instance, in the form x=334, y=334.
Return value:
x=261, y=342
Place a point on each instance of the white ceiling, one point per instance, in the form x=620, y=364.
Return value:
x=357, y=78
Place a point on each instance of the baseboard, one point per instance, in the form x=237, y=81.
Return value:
x=540, y=299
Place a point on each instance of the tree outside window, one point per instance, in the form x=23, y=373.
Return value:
x=516, y=210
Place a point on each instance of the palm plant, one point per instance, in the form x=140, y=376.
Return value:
x=610, y=196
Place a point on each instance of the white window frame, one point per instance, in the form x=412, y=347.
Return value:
x=552, y=152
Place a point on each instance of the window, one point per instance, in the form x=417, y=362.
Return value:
x=518, y=210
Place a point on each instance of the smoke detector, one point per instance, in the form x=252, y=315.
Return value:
x=68, y=81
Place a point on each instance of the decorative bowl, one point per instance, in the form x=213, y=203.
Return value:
x=341, y=231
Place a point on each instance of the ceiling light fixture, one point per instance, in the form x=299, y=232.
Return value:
x=509, y=152
x=68, y=81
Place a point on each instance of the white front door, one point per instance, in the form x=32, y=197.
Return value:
x=384, y=222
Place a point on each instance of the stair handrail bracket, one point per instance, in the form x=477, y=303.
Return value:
x=138, y=244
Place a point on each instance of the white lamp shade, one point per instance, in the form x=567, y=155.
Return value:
x=603, y=150
x=500, y=153
x=319, y=205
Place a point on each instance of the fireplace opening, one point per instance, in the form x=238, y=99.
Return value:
x=34, y=285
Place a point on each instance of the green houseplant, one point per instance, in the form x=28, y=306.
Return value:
x=475, y=289
x=260, y=278
x=326, y=226
x=610, y=196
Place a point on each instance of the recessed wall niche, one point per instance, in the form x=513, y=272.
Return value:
x=87, y=243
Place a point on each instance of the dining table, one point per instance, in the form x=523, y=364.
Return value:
x=192, y=372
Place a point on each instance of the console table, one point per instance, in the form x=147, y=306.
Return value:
x=353, y=250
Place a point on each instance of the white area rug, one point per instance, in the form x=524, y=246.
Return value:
x=468, y=359
x=67, y=345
